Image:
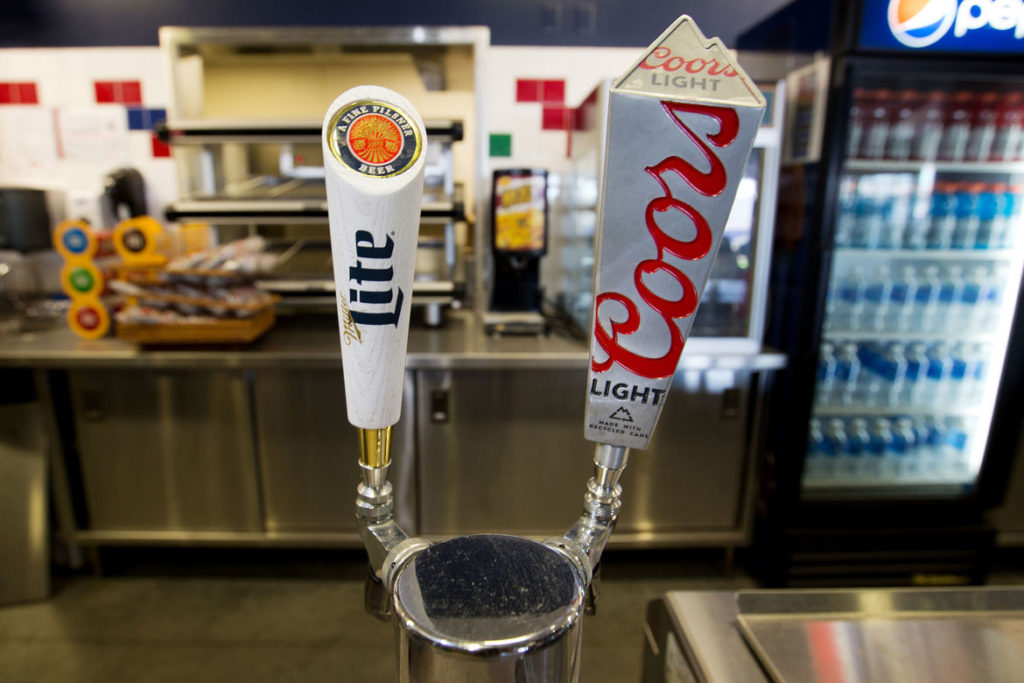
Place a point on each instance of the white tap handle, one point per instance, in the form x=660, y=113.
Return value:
x=374, y=146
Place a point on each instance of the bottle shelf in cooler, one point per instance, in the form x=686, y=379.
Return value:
x=927, y=254
x=909, y=336
x=892, y=166
x=856, y=451
x=862, y=410
x=848, y=484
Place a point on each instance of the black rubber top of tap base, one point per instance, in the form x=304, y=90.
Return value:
x=489, y=591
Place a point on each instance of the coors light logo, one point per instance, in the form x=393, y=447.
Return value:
x=709, y=184
x=676, y=149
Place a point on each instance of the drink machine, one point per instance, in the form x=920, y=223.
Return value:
x=519, y=238
x=503, y=608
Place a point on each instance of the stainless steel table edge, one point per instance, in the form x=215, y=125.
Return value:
x=59, y=348
x=771, y=615
x=877, y=602
x=711, y=638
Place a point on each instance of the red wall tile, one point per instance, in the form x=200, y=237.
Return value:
x=552, y=92
x=104, y=91
x=558, y=118
x=131, y=92
x=28, y=93
x=19, y=93
x=118, y=92
x=160, y=149
x=527, y=90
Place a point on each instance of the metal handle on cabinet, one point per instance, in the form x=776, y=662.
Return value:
x=92, y=404
x=731, y=403
x=439, y=406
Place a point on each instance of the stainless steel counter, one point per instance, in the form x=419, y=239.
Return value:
x=162, y=434
x=952, y=634
x=460, y=343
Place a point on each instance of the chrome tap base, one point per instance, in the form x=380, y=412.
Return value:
x=490, y=607
x=387, y=545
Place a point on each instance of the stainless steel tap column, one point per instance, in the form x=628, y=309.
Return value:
x=501, y=608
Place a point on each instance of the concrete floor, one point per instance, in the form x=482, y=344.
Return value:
x=267, y=621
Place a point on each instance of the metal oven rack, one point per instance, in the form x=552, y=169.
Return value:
x=244, y=125
x=258, y=176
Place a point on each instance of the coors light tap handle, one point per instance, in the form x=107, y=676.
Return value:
x=373, y=144
x=681, y=124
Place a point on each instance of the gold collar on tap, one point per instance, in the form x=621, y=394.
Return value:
x=375, y=447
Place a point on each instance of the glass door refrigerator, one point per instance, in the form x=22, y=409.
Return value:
x=896, y=291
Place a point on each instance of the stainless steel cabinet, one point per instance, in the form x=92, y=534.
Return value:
x=690, y=487
x=503, y=451
x=309, y=453
x=500, y=450
x=24, y=571
x=166, y=450
x=267, y=456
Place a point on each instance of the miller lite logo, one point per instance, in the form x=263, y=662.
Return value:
x=372, y=299
x=681, y=123
x=374, y=139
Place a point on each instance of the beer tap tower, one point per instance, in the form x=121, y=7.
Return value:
x=502, y=608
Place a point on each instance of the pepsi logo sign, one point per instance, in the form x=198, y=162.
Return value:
x=920, y=23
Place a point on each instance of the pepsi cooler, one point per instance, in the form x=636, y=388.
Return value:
x=897, y=280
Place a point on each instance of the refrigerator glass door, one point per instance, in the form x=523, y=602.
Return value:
x=924, y=279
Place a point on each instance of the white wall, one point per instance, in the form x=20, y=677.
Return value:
x=33, y=151
x=582, y=68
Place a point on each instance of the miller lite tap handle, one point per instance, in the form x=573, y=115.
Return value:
x=374, y=153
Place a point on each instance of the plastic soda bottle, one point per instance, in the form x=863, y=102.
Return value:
x=917, y=366
x=1007, y=141
x=942, y=215
x=847, y=374
x=877, y=297
x=965, y=230
x=857, y=440
x=930, y=123
x=901, y=300
x=958, y=127
x=846, y=219
x=984, y=123
x=858, y=122
x=902, y=126
x=876, y=133
x=879, y=448
x=826, y=374
x=850, y=300
x=989, y=200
